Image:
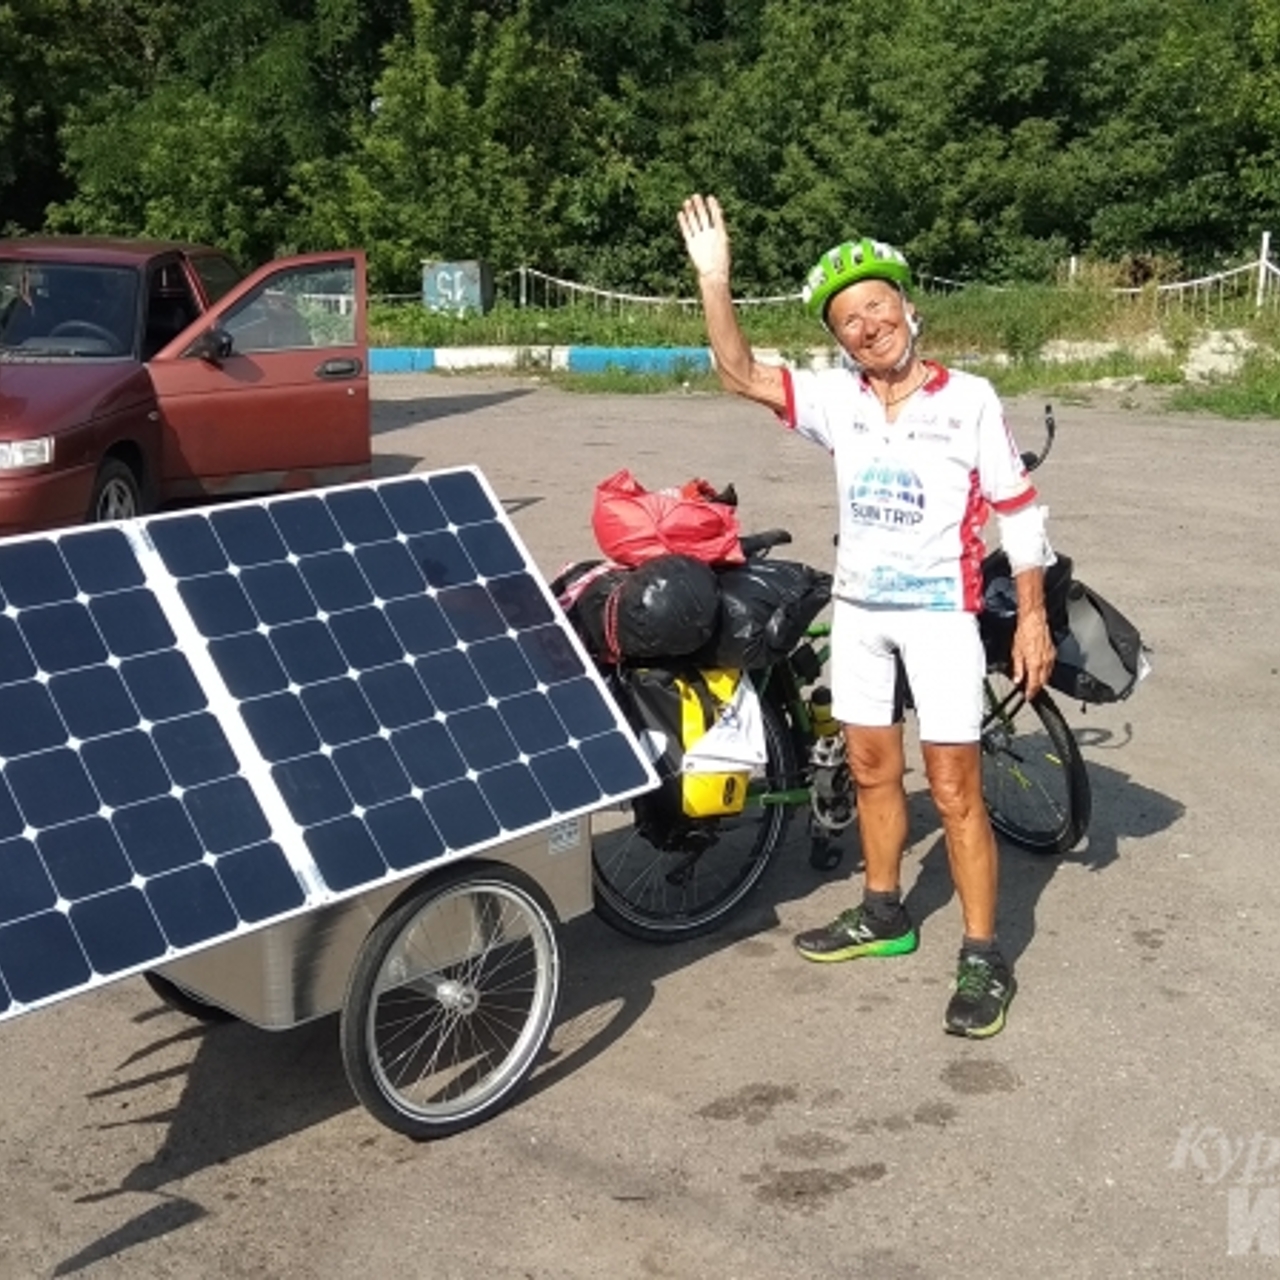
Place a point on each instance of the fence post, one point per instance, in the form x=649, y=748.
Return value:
x=1264, y=266
x=524, y=290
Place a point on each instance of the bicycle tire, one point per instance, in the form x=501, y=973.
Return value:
x=1034, y=780
x=665, y=895
x=451, y=1001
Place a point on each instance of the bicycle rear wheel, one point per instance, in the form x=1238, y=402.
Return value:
x=1034, y=779
x=662, y=895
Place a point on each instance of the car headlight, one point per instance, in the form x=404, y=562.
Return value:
x=15, y=454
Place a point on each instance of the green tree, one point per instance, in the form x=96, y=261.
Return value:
x=458, y=161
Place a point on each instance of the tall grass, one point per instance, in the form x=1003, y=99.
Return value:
x=1017, y=321
x=1254, y=392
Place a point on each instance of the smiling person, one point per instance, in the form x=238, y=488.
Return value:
x=921, y=456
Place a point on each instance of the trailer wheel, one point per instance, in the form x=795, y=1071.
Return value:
x=451, y=1000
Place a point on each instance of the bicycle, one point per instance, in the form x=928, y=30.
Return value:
x=663, y=882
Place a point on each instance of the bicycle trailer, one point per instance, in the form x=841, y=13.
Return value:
x=330, y=751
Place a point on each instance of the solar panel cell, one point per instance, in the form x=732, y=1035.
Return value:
x=101, y=561
x=25, y=886
x=278, y=593
x=405, y=834
x=461, y=814
x=226, y=815
x=125, y=767
x=34, y=573
x=163, y=686
x=361, y=516
x=249, y=666
x=191, y=906
x=131, y=623
x=195, y=750
x=61, y=637
x=260, y=883
x=513, y=794
x=117, y=930
x=396, y=695
x=157, y=836
x=346, y=854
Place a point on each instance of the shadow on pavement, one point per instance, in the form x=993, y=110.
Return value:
x=1121, y=810
x=392, y=415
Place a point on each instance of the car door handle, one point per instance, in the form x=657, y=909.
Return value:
x=344, y=368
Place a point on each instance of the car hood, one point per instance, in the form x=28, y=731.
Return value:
x=45, y=397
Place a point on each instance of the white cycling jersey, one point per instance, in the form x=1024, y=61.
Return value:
x=914, y=493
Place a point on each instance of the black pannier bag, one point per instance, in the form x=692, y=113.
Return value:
x=765, y=607
x=1101, y=656
x=999, y=615
x=668, y=607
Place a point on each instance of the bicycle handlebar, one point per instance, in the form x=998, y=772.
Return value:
x=1032, y=460
x=755, y=545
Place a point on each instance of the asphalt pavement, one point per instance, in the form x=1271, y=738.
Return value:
x=722, y=1108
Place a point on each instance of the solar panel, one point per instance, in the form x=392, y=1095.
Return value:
x=217, y=719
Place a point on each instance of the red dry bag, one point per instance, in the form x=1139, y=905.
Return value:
x=633, y=524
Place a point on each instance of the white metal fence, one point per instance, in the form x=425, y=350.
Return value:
x=526, y=286
x=1259, y=279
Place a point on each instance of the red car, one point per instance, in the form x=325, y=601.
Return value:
x=139, y=374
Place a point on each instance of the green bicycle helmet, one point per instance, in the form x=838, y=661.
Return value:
x=846, y=264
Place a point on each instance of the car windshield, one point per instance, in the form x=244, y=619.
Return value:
x=66, y=311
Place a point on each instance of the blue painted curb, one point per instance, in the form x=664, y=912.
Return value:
x=575, y=359
x=639, y=359
x=401, y=359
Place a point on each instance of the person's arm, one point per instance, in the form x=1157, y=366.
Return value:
x=707, y=241
x=1007, y=487
x=1032, y=651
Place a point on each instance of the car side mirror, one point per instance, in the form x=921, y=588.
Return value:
x=214, y=345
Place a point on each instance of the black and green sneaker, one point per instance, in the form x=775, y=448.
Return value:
x=855, y=933
x=984, y=988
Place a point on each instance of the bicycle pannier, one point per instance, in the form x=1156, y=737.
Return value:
x=999, y=613
x=1101, y=657
x=675, y=711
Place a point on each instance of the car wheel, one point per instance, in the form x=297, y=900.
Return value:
x=116, y=492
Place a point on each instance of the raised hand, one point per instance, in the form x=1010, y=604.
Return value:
x=705, y=237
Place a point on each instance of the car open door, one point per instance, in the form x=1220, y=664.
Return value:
x=269, y=389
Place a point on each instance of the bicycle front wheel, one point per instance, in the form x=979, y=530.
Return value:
x=665, y=894
x=451, y=1001
x=1034, y=779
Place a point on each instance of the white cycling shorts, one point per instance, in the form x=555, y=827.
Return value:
x=944, y=660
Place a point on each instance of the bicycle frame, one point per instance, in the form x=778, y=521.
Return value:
x=782, y=676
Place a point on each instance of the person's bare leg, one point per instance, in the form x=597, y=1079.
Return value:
x=878, y=764
x=878, y=926
x=984, y=982
x=955, y=781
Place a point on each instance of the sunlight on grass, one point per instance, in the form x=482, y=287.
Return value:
x=998, y=333
x=1252, y=393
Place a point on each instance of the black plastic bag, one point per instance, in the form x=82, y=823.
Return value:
x=668, y=607
x=765, y=606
